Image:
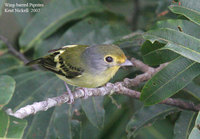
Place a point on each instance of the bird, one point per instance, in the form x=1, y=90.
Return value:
x=84, y=66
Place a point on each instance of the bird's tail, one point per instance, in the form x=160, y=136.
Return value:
x=46, y=62
x=33, y=62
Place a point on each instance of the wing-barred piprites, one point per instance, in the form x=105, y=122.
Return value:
x=67, y=69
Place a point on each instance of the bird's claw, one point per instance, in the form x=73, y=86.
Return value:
x=71, y=98
x=69, y=93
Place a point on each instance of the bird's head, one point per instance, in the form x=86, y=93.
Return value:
x=101, y=57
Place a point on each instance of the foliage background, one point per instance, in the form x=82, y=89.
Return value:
x=95, y=22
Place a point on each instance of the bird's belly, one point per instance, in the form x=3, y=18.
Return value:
x=85, y=81
x=90, y=80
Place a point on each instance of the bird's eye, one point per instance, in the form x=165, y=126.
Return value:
x=109, y=59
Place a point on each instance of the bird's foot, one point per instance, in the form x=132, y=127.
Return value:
x=71, y=98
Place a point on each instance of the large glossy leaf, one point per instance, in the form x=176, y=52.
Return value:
x=116, y=117
x=193, y=89
x=56, y=122
x=190, y=9
x=30, y=88
x=7, y=87
x=94, y=111
x=63, y=122
x=94, y=31
x=174, y=77
x=195, y=133
x=44, y=46
x=185, y=26
x=184, y=125
x=148, y=115
x=47, y=21
x=154, y=55
x=179, y=42
x=10, y=65
x=11, y=128
x=161, y=129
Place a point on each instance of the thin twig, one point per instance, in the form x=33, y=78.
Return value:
x=148, y=73
x=108, y=89
x=13, y=51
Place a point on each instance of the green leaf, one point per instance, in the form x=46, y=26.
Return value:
x=63, y=123
x=193, y=89
x=195, y=133
x=179, y=42
x=94, y=110
x=130, y=40
x=33, y=86
x=44, y=46
x=55, y=122
x=7, y=87
x=147, y=115
x=40, y=125
x=186, y=26
x=10, y=65
x=171, y=79
x=189, y=9
x=183, y=125
x=1, y=6
x=153, y=55
x=162, y=129
x=48, y=21
x=11, y=127
x=94, y=31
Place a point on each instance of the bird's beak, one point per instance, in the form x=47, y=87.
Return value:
x=127, y=63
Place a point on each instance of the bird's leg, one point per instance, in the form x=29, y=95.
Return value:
x=69, y=92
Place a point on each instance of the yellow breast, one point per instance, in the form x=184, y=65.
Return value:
x=89, y=80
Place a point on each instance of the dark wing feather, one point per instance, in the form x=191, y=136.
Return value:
x=56, y=63
x=69, y=71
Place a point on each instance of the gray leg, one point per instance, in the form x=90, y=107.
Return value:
x=69, y=92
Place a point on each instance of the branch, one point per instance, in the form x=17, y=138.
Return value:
x=148, y=73
x=108, y=89
x=13, y=51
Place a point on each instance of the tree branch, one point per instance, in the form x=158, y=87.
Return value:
x=108, y=89
x=148, y=73
x=13, y=51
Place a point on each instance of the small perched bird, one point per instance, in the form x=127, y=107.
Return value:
x=84, y=66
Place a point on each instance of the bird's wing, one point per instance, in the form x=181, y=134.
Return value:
x=65, y=61
x=70, y=62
